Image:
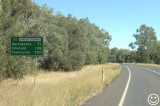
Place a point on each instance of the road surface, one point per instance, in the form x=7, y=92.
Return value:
x=131, y=88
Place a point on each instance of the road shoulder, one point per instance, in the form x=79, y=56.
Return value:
x=111, y=94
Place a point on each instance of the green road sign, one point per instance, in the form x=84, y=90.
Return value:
x=26, y=46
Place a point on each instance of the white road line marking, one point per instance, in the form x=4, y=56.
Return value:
x=126, y=89
x=151, y=70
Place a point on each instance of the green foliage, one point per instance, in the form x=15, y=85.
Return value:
x=15, y=15
x=145, y=41
x=120, y=55
x=147, y=48
x=69, y=43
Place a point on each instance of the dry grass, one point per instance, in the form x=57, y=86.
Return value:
x=57, y=88
x=154, y=65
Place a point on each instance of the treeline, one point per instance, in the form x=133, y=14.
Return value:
x=122, y=56
x=69, y=43
x=148, y=48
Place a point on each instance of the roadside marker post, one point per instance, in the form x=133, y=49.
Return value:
x=103, y=77
x=26, y=46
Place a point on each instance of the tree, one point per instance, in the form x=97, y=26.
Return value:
x=13, y=16
x=155, y=56
x=145, y=40
x=133, y=56
x=69, y=43
x=113, y=55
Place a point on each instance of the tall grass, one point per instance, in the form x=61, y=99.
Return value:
x=147, y=64
x=57, y=88
x=154, y=65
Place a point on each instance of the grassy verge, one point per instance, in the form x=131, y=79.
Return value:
x=147, y=64
x=57, y=88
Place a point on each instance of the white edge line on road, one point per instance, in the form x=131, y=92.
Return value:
x=126, y=89
x=151, y=70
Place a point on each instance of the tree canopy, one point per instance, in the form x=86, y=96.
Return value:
x=69, y=43
x=145, y=41
x=147, y=48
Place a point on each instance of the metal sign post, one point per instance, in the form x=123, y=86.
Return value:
x=103, y=75
x=35, y=72
x=26, y=46
x=17, y=71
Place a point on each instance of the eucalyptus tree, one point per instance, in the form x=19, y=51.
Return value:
x=14, y=14
x=145, y=40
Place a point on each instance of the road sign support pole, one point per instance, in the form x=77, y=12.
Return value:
x=17, y=71
x=35, y=72
x=103, y=75
x=30, y=46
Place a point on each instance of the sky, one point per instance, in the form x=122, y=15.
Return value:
x=120, y=18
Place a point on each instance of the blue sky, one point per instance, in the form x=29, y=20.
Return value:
x=120, y=18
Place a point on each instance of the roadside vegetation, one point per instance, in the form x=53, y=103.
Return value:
x=146, y=48
x=154, y=65
x=69, y=43
x=57, y=88
x=147, y=64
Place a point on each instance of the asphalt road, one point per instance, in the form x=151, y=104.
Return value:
x=131, y=88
